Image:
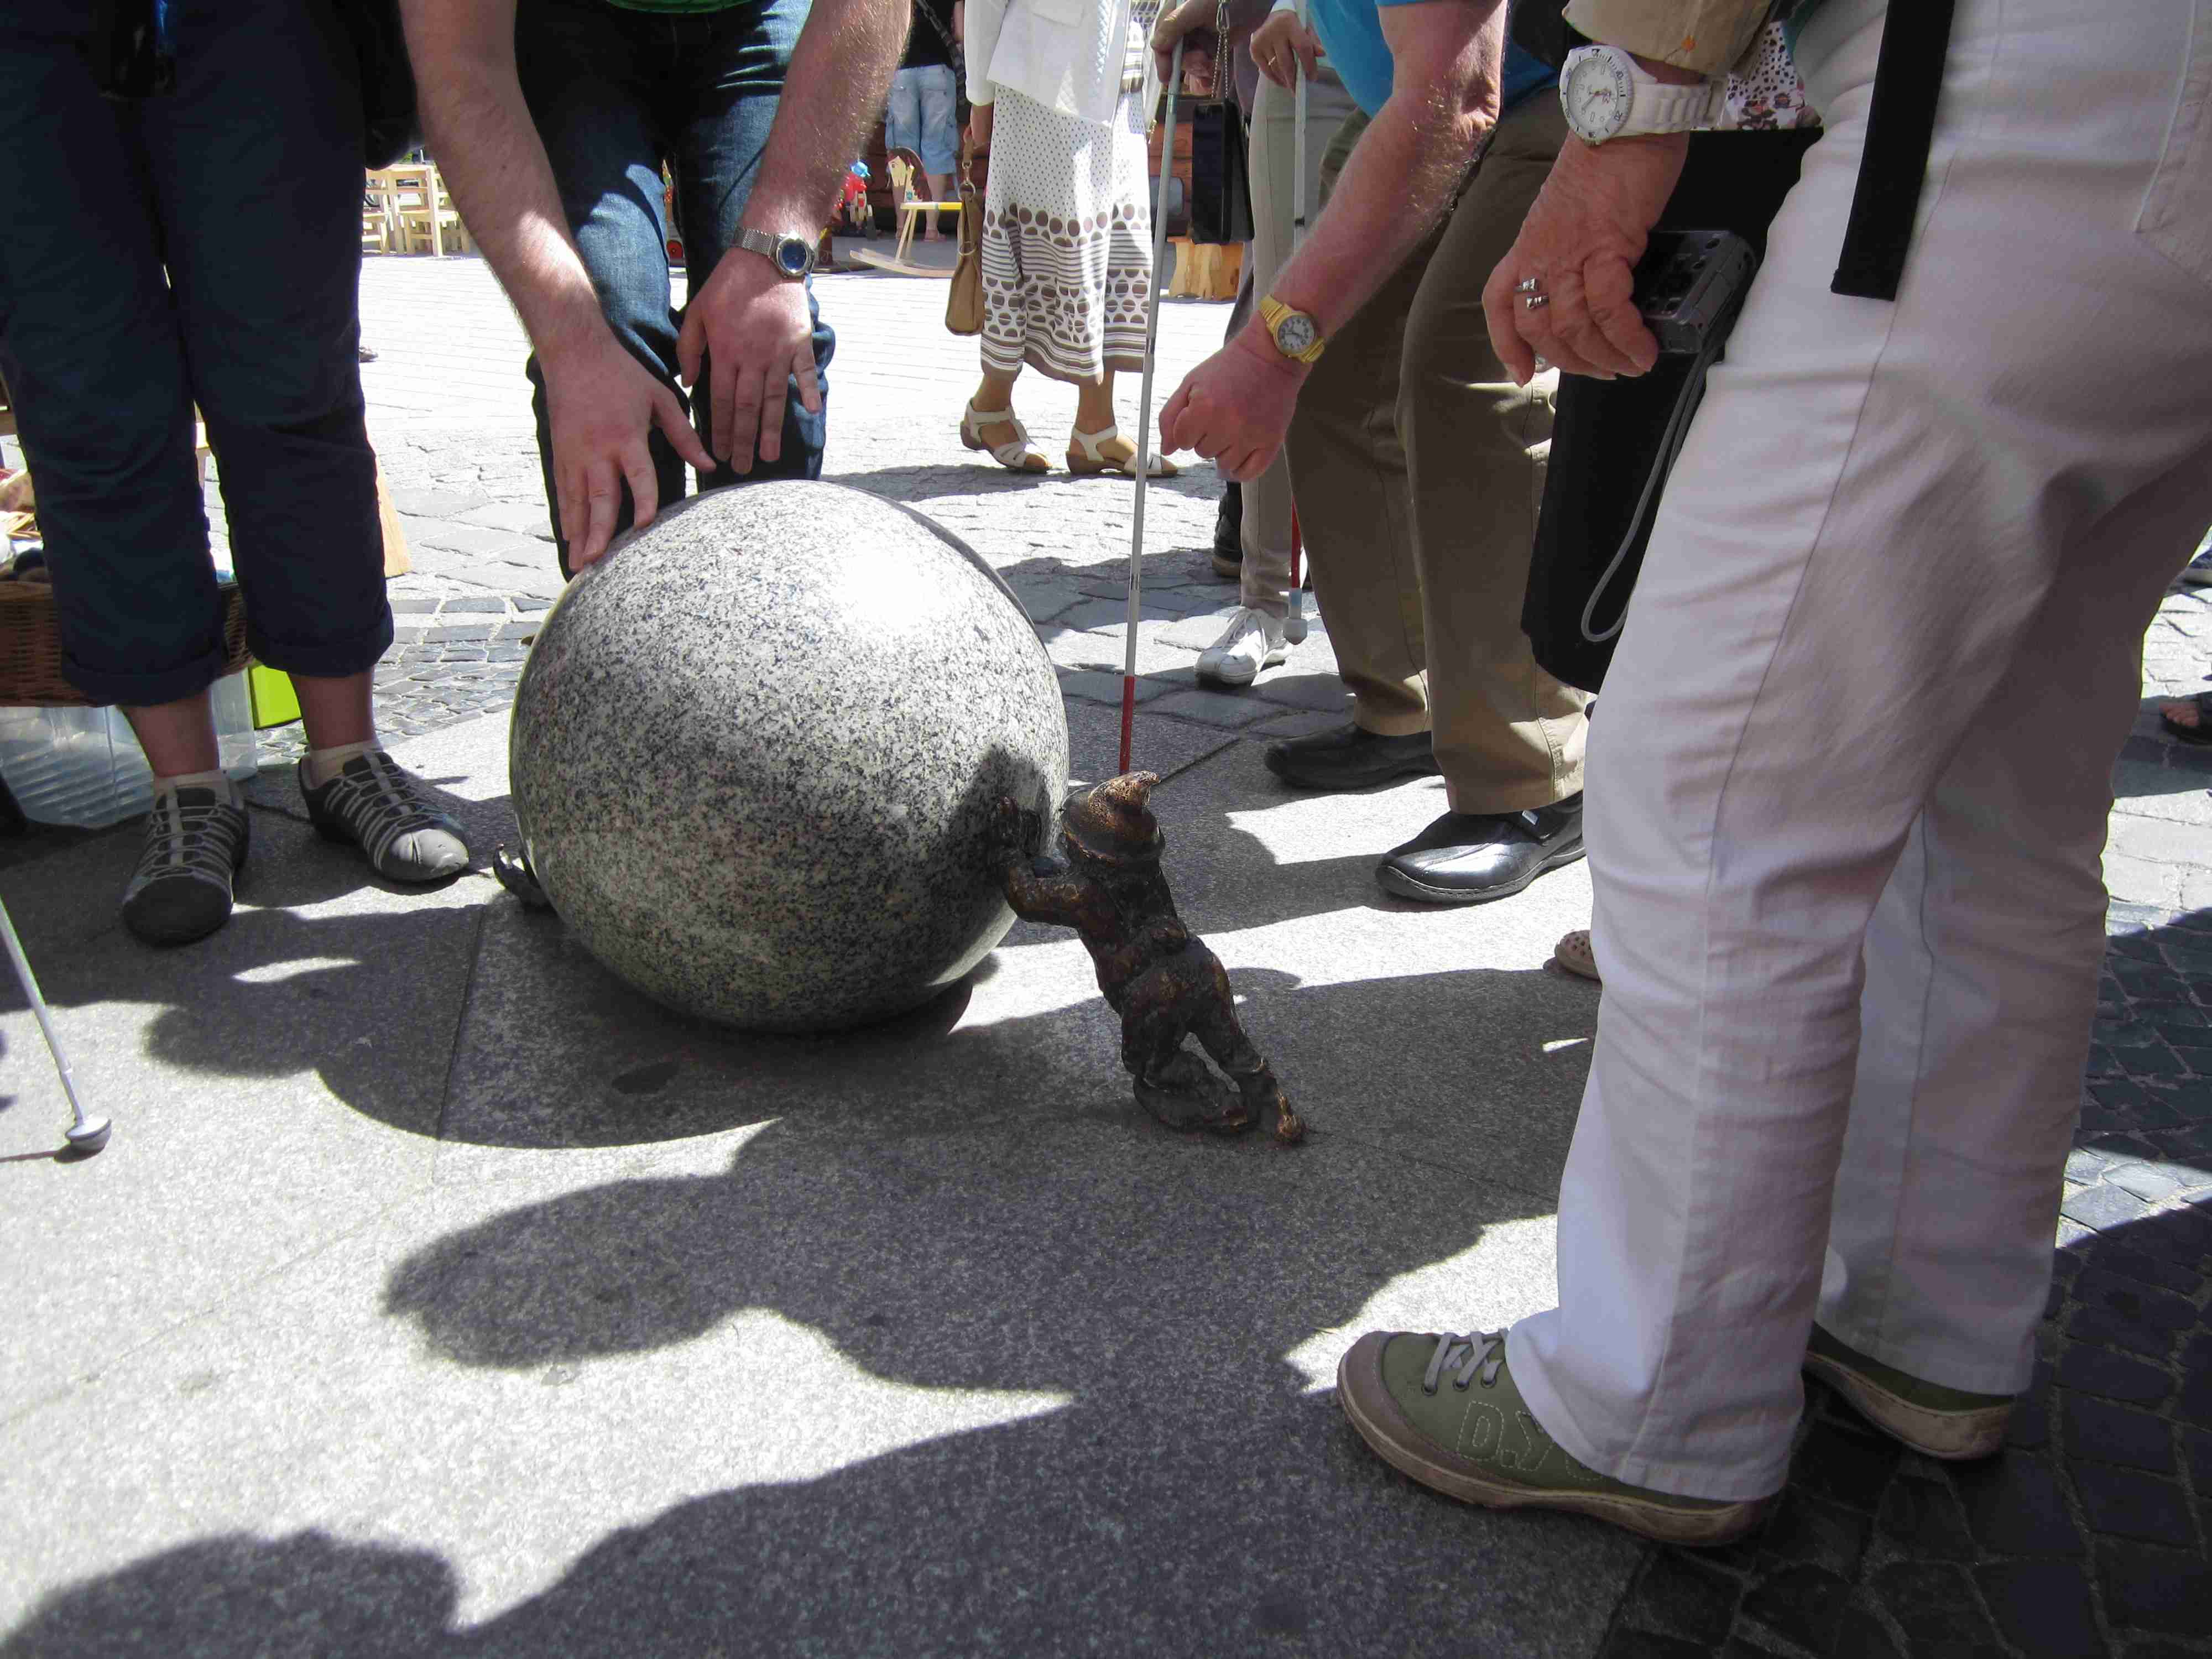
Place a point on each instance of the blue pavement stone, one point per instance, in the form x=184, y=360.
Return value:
x=2156, y=1590
x=2149, y=1182
x=2102, y=1432
x=2104, y=1207
x=2127, y=1504
x=2113, y=1376
x=2043, y=1607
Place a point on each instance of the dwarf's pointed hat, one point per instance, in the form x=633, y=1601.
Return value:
x=1112, y=822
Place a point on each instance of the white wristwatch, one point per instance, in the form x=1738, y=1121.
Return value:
x=1607, y=95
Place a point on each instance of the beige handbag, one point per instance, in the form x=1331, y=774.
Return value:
x=964, y=305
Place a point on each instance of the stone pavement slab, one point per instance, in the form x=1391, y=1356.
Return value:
x=249, y=1077
x=921, y=1340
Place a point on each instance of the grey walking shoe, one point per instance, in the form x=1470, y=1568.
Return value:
x=1446, y=1410
x=372, y=803
x=195, y=842
x=1947, y=1423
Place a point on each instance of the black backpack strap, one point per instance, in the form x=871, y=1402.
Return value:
x=1908, y=79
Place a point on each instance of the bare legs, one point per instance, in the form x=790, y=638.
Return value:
x=178, y=737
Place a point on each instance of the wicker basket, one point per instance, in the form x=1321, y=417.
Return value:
x=31, y=646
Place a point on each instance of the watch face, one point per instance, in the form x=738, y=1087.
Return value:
x=1595, y=92
x=1294, y=335
x=792, y=256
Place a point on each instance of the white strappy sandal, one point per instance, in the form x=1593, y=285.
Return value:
x=1015, y=454
x=1083, y=456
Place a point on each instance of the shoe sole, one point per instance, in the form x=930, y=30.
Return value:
x=1345, y=786
x=1394, y=880
x=1392, y=1439
x=1955, y=1437
x=1227, y=569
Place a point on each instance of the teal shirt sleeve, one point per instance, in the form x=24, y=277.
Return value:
x=1351, y=33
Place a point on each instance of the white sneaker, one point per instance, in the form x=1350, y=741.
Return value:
x=1254, y=641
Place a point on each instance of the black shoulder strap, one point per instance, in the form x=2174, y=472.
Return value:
x=951, y=49
x=1908, y=79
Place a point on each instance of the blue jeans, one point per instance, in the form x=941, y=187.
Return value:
x=199, y=247
x=616, y=92
x=921, y=116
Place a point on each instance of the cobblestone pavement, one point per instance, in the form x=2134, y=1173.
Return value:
x=2088, y=1536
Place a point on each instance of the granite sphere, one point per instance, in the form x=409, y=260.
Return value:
x=755, y=750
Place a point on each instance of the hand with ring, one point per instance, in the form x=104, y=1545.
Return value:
x=1282, y=45
x=1566, y=289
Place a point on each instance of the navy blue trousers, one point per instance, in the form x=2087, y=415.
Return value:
x=199, y=247
x=615, y=93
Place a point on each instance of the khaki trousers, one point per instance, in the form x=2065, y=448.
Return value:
x=1419, y=467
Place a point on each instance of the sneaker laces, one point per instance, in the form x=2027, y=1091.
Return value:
x=1483, y=1351
x=1248, y=622
x=379, y=803
x=186, y=838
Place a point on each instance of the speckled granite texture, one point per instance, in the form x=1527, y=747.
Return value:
x=755, y=750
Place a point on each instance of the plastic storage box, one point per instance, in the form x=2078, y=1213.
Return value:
x=84, y=767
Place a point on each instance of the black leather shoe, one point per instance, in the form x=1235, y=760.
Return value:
x=1469, y=857
x=1229, y=532
x=1346, y=758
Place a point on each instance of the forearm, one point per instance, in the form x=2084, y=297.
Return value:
x=1397, y=182
x=491, y=156
x=840, y=70
x=1703, y=36
x=1053, y=898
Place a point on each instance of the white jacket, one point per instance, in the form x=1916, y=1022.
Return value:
x=1068, y=55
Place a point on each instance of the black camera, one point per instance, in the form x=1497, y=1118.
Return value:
x=1689, y=286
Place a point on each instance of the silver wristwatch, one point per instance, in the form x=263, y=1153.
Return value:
x=1607, y=95
x=792, y=256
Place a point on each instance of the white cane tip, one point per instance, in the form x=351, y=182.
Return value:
x=90, y=1135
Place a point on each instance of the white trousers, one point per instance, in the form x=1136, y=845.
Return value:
x=1849, y=782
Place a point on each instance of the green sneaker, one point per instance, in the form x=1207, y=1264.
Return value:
x=1947, y=1423
x=1444, y=1410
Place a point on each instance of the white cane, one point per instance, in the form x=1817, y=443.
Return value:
x=1294, y=628
x=86, y=1134
x=1145, y=407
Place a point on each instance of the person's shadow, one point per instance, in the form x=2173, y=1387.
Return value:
x=1194, y=1493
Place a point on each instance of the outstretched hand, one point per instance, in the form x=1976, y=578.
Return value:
x=1235, y=408
x=753, y=328
x=602, y=404
x=1578, y=247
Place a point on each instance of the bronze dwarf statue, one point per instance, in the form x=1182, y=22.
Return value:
x=1155, y=974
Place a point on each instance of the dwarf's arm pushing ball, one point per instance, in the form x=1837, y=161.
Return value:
x=1164, y=983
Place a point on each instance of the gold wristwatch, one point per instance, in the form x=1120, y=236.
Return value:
x=1296, y=335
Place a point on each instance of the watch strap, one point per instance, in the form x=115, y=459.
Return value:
x=1662, y=106
x=765, y=243
x=1272, y=313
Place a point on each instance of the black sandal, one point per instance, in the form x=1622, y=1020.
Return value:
x=2199, y=735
